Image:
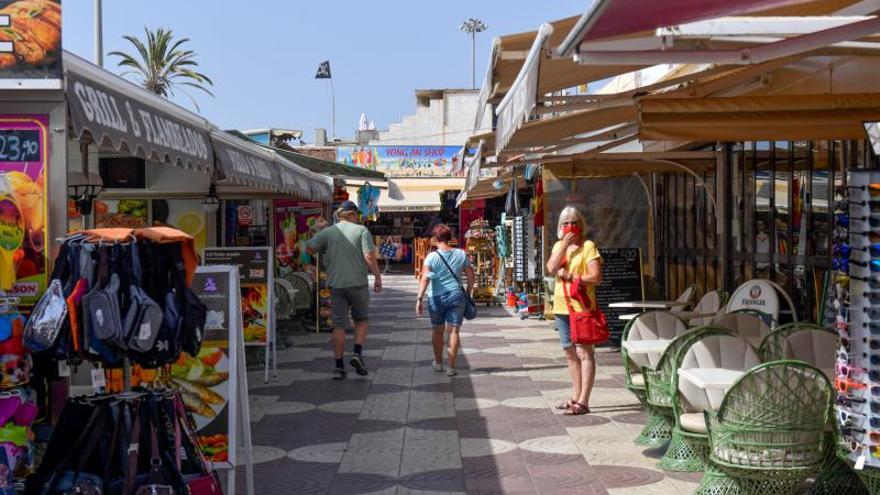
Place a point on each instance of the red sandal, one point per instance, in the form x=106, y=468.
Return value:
x=565, y=405
x=577, y=409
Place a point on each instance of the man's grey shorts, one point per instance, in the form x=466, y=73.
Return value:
x=353, y=299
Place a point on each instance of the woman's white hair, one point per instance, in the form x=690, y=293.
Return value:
x=568, y=214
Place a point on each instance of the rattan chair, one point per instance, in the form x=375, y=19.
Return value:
x=810, y=343
x=646, y=326
x=659, y=388
x=710, y=304
x=769, y=435
x=689, y=446
x=750, y=325
x=686, y=298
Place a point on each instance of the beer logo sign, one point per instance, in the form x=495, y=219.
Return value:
x=755, y=299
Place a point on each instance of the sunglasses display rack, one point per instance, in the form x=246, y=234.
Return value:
x=853, y=309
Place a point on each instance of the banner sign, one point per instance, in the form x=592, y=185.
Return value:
x=296, y=221
x=24, y=152
x=621, y=281
x=126, y=122
x=30, y=44
x=255, y=269
x=214, y=383
x=403, y=161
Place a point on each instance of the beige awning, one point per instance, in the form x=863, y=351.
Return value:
x=752, y=118
x=626, y=164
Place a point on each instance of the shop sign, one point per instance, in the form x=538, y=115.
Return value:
x=403, y=161
x=30, y=44
x=756, y=295
x=128, y=123
x=245, y=215
x=241, y=166
x=255, y=268
x=23, y=238
x=223, y=422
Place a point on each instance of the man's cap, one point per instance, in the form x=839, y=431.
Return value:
x=348, y=206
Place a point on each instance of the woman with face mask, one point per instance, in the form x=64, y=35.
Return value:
x=575, y=257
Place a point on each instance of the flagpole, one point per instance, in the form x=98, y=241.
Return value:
x=333, y=106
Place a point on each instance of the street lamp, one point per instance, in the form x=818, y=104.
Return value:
x=473, y=26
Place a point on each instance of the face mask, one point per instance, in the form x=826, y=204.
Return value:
x=572, y=229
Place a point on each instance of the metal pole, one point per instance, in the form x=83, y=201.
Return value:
x=473, y=60
x=99, y=35
x=333, y=106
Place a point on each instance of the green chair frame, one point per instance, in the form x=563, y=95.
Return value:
x=771, y=346
x=688, y=451
x=629, y=366
x=769, y=435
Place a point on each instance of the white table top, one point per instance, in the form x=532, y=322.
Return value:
x=711, y=378
x=684, y=315
x=647, y=304
x=646, y=346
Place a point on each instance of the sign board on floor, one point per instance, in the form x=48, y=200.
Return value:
x=621, y=281
x=214, y=387
x=256, y=271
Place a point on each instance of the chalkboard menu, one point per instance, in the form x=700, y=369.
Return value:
x=621, y=281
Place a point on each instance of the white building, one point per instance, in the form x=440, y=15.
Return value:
x=443, y=117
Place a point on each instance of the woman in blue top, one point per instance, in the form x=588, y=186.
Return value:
x=441, y=281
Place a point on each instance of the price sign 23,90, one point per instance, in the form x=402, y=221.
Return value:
x=19, y=145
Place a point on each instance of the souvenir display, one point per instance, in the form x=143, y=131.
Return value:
x=852, y=307
x=481, y=248
x=127, y=295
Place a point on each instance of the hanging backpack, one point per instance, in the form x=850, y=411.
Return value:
x=192, y=309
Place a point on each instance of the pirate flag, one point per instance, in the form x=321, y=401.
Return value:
x=323, y=70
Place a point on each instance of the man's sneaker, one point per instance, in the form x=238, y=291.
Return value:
x=358, y=362
x=339, y=374
x=438, y=367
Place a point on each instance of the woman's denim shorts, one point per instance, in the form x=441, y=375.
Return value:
x=447, y=309
x=563, y=326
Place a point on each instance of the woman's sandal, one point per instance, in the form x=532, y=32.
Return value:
x=577, y=409
x=565, y=405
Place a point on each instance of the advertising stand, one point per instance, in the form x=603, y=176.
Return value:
x=216, y=286
x=257, y=295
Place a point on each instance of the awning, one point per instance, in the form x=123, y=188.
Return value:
x=626, y=164
x=120, y=115
x=758, y=118
x=317, y=165
x=419, y=194
x=607, y=18
x=242, y=163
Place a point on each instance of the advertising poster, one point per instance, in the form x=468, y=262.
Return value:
x=23, y=162
x=295, y=222
x=403, y=161
x=204, y=379
x=30, y=42
x=255, y=269
x=184, y=214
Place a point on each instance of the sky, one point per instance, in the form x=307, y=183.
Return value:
x=262, y=55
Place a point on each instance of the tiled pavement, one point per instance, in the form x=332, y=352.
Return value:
x=408, y=430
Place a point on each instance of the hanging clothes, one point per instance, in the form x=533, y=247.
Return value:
x=368, y=201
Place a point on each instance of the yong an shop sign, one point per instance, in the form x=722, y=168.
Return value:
x=125, y=122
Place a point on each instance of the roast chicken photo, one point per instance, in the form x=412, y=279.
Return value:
x=35, y=32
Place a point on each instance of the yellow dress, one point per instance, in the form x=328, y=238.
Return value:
x=576, y=265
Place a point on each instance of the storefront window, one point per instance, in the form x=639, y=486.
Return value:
x=183, y=214
x=246, y=222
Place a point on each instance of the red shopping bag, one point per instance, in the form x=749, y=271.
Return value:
x=588, y=327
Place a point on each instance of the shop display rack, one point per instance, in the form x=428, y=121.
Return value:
x=481, y=249
x=852, y=308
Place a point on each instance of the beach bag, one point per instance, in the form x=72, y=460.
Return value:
x=588, y=327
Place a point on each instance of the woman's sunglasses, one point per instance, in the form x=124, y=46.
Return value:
x=845, y=369
x=843, y=385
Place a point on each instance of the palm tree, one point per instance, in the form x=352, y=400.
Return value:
x=164, y=65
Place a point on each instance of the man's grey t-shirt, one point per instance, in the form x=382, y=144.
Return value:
x=344, y=246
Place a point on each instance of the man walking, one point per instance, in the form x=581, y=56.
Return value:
x=349, y=251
